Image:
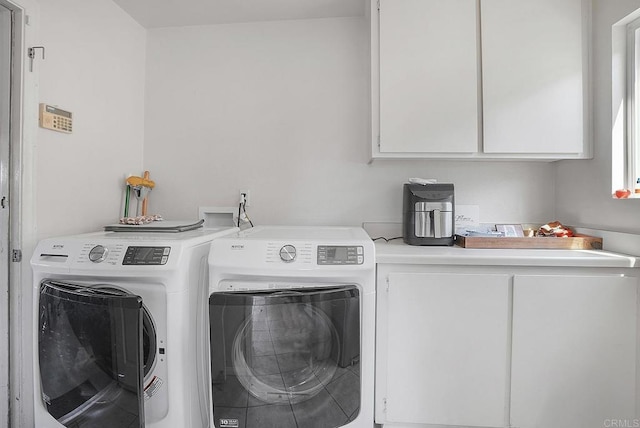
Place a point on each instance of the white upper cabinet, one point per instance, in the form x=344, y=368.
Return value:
x=532, y=80
x=479, y=79
x=428, y=76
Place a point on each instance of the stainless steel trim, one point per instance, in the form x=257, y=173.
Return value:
x=422, y=224
x=430, y=206
x=433, y=219
x=437, y=220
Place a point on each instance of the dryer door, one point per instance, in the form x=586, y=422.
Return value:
x=90, y=355
x=286, y=358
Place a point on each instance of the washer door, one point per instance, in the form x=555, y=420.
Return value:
x=90, y=355
x=286, y=349
x=149, y=335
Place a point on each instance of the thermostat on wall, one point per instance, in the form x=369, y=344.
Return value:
x=55, y=119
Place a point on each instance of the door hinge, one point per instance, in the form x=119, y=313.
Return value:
x=384, y=405
x=378, y=142
x=378, y=5
x=3, y=202
x=16, y=256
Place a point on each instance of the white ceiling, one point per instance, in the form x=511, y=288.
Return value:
x=176, y=13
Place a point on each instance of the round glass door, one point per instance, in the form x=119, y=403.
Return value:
x=283, y=352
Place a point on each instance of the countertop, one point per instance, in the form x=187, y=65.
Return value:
x=398, y=252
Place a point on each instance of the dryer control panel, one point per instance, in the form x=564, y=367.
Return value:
x=340, y=254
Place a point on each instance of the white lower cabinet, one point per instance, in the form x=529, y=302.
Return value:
x=506, y=347
x=442, y=346
x=574, y=351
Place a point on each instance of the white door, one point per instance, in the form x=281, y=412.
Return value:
x=532, y=70
x=5, y=104
x=428, y=76
x=442, y=349
x=574, y=351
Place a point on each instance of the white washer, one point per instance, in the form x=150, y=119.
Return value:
x=292, y=327
x=118, y=334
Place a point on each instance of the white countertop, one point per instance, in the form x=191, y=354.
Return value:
x=400, y=253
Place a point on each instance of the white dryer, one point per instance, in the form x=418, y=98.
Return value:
x=118, y=333
x=292, y=326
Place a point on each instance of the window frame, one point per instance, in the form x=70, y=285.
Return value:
x=625, y=98
x=632, y=140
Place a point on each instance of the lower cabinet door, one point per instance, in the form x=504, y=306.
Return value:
x=574, y=351
x=442, y=349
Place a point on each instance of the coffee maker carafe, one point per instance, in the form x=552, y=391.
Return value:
x=428, y=214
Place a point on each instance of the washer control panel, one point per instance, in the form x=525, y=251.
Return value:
x=146, y=255
x=340, y=254
x=91, y=253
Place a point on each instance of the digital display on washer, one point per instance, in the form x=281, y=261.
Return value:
x=146, y=256
x=340, y=254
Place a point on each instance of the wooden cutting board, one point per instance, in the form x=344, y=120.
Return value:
x=577, y=242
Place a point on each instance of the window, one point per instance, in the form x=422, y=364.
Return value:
x=626, y=105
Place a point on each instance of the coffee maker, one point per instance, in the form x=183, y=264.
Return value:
x=428, y=214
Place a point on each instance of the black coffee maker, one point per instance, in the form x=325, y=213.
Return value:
x=428, y=214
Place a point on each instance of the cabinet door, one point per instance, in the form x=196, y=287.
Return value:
x=428, y=76
x=574, y=351
x=532, y=64
x=442, y=350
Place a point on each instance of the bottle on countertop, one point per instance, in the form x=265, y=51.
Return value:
x=637, y=189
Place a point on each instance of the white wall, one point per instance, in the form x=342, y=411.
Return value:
x=94, y=67
x=584, y=187
x=280, y=108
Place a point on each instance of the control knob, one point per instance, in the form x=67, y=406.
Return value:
x=98, y=254
x=288, y=253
